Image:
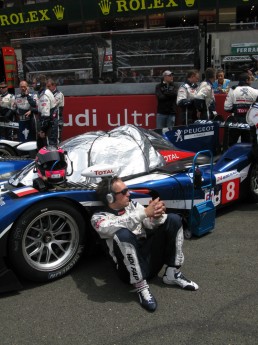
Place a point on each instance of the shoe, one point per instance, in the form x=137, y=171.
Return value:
x=173, y=276
x=147, y=300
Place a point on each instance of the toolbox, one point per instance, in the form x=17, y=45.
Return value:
x=202, y=215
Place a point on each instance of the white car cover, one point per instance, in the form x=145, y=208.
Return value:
x=127, y=148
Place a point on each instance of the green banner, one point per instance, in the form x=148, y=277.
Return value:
x=66, y=11
x=244, y=48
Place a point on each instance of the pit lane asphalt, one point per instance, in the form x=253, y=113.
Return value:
x=90, y=306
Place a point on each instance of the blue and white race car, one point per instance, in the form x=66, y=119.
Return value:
x=44, y=231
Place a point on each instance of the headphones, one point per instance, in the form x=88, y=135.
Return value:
x=110, y=197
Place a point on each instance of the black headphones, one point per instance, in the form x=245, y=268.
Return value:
x=110, y=197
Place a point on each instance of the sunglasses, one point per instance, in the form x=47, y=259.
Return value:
x=123, y=191
x=3, y=87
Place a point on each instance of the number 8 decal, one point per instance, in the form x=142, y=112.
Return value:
x=230, y=191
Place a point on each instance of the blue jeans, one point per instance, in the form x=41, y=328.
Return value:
x=163, y=121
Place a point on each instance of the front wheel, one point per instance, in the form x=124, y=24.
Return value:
x=254, y=182
x=7, y=151
x=47, y=241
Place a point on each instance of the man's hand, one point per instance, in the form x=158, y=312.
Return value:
x=155, y=209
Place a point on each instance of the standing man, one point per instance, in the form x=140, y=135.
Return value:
x=59, y=97
x=204, y=97
x=48, y=122
x=166, y=93
x=238, y=101
x=140, y=240
x=6, y=111
x=185, y=97
x=26, y=105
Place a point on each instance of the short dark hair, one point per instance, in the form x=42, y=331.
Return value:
x=210, y=73
x=42, y=80
x=243, y=77
x=105, y=187
x=191, y=73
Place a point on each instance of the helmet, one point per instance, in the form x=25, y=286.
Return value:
x=51, y=164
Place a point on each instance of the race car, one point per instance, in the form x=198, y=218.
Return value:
x=47, y=206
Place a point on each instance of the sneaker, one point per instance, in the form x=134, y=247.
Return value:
x=173, y=276
x=147, y=300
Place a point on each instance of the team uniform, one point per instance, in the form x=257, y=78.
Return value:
x=185, y=100
x=59, y=97
x=48, y=121
x=238, y=102
x=6, y=114
x=138, y=245
x=23, y=104
x=204, y=100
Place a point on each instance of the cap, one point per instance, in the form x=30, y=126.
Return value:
x=3, y=84
x=167, y=73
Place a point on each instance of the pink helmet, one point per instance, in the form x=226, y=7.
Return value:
x=51, y=164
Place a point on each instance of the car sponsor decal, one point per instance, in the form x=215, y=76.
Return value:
x=24, y=191
x=226, y=176
x=172, y=156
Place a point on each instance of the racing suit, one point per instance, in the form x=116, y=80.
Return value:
x=140, y=246
x=6, y=115
x=204, y=100
x=166, y=94
x=48, y=121
x=238, y=101
x=185, y=100
x=59, y=97
x=25, y=105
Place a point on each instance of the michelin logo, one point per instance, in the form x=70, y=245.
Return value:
x=195, y=132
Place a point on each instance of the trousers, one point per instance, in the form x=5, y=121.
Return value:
x=138, y=259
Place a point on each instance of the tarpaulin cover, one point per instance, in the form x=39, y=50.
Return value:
x=128, y=148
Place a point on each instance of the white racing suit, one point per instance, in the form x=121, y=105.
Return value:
x=185, y=100
x=205, y=100
x=252, y=120
x=6, y=115
x=23, y=104
x=48, y=121
x=140, y=246
x=59, y=97
x=238, y=101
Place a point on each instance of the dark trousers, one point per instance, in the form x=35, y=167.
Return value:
x=139, y=259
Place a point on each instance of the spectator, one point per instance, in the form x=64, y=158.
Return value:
x=59, y=97
x=25, y=105
x=238, y=101
x=221, y=85
x=7, y=112
x=166, y=93
x=185, y=97
x=140, y=240
x=48, y=123
x=204, y=99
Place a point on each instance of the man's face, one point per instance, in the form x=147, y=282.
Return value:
x=23, y=87
x=34, y=84
x=122, y=195
x=51, y=87
x=168, y=78
x=3, y=89
x=194, y=78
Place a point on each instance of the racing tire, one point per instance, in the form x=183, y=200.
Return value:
x=253, y=182
x=6, y=151
x=188, y=234
x=47, y=241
